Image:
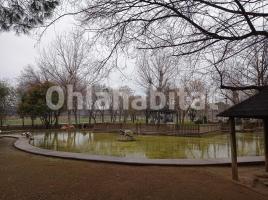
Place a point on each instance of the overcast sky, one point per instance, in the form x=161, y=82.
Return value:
x=18, y=51
x=15, y=53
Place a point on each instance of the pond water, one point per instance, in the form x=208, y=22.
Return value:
x=153, y=147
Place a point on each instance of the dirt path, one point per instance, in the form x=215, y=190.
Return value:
x=26, y=176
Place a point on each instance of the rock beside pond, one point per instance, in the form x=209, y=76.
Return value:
x=126, y=135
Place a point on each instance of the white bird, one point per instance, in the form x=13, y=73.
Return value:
x=27, y=135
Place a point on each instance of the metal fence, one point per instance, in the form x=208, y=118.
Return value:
x=159, y=129
x=138, y=128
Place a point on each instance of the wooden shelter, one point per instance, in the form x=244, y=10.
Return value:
x=254, y=107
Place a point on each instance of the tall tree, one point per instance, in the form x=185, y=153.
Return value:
x=194, y=90
x=33, y=103
x=69, y=61
x=156, y=71
x=126, y=93
x=6, y=100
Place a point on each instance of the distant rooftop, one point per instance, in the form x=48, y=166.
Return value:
x=253, y=107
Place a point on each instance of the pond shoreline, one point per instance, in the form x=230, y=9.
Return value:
x=23, y=144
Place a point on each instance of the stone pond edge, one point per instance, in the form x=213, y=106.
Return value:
x=22, y=143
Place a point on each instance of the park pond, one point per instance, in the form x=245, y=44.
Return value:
x=151, y=147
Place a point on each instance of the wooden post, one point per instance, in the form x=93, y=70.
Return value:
x=265, y=125
x=233, y=150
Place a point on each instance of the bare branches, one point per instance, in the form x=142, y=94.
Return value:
x=242, y=88
x=70, y=61
x=217, y=6
x=244, y=71
x=213, y=21
x=157, y=70
x=227, y=28
x=246, y=16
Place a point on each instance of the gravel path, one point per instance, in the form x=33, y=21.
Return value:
x=29, y=177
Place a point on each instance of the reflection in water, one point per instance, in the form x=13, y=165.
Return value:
x=213, y=146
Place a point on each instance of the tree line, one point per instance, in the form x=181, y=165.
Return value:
x=222, y=45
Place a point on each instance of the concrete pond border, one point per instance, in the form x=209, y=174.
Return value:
x=22, y=143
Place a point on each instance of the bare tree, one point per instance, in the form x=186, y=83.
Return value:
x=92, y=107
x=29, y=76
x=194, y=89
x=69, y=61
x=246, y=71
x=187, y=27
x=156, y=70
x=125, y=92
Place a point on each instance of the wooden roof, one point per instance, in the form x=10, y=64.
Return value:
x=253, y=107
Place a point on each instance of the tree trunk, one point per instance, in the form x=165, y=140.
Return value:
x=69, y=117
x=75, y=117
x=158, y=117
x=89, y=118
x=146, y=117
x=265, y=125
x=111, y=116
x=125, y=117
x=102, y=117
x=56, y=120
x=114, y=118
x=177, y=119
x=183, y=117
x=32, y=122
x=233, y=150
x=120, y=115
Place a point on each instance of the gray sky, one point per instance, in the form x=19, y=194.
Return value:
x=16, y=52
